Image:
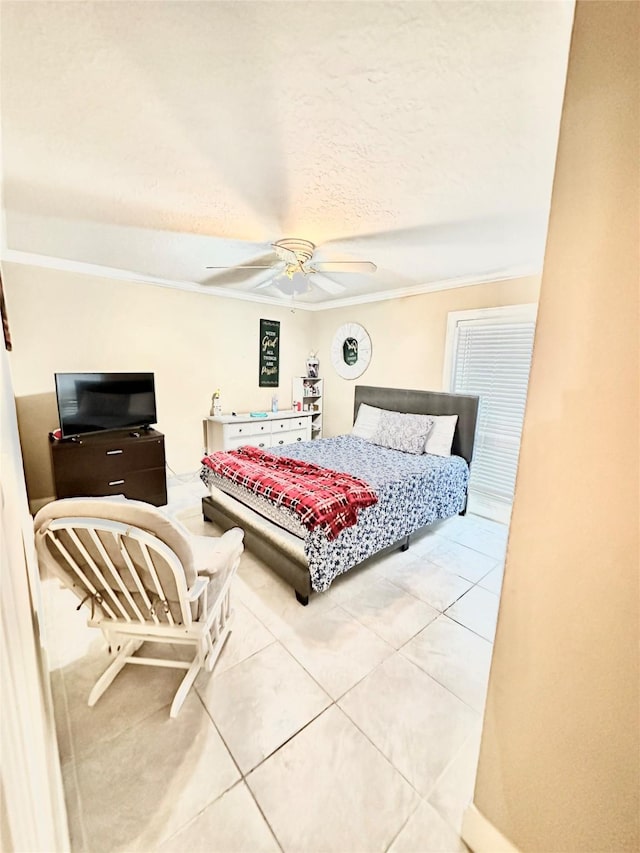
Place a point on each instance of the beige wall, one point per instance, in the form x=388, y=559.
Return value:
x=559, y=759
x=192, y=342
x=408, y=339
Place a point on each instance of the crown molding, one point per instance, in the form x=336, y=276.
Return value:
x=429, y=287
x=15, y=256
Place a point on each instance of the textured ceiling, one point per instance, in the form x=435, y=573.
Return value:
x=161, y=137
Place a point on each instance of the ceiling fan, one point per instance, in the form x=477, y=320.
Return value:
x=292, y=269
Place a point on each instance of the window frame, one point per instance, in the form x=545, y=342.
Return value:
x=526, y=312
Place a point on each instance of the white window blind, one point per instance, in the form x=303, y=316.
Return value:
x=492, y=359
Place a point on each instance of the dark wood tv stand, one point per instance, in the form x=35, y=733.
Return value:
x=122, y=462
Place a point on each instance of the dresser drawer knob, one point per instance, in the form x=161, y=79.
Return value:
x=281, y=441
x=298, y=438
x=261, y=445
x=116, y=482
x=114, y=452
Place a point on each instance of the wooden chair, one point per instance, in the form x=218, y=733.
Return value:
x=144, y=578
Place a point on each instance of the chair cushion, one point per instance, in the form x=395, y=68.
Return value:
x=216, y=554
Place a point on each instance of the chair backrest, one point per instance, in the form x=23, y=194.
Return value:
x=126, y=559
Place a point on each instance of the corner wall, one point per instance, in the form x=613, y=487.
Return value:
x=559, y=766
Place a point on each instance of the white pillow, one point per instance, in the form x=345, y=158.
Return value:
x=440, y=437
x=367, y=422
x=405, y=432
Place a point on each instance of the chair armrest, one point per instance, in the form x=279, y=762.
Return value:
x=197, y=589
x=217, y=554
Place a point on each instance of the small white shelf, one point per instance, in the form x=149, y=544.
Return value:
x=308, y=392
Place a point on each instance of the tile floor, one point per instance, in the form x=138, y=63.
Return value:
x=350, y=725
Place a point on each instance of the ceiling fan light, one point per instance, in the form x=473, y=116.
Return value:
x=292, y=283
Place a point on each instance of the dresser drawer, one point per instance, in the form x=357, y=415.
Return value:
x=289, y=424
x=149, y=485
x=261, y=441
x=84, y=461
x=242, y=430
x=290, y=437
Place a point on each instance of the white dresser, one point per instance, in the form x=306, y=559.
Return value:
x=227, y=432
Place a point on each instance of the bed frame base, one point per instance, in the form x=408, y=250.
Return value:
x=292, y=571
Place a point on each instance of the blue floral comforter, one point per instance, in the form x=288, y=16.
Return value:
x=412, y=491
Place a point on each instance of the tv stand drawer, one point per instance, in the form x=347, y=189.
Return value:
x=111, y=464
x=136, y=485
x=86, y=460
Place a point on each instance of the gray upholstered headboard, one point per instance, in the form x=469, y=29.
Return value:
x=427, y=403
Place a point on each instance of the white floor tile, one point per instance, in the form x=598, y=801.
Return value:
x=261, y=703
x=275, y=605
x=390, y=612
x=493, y=581
x=135, y=694
x=434, y=585
x=184, y=495
x=463, y=561
x=329, y=789
x=355, y=581
x=477, y=610
x=427, y=832
x=335, y=649
x=453, y=791
x=456, y=657
x=413, y=720
x=232, y=824
x=423, y=541
x=139, y=788
x=497, y=527
x=492, y=544
x=248, y=635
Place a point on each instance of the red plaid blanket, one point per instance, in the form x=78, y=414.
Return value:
x=317, y=495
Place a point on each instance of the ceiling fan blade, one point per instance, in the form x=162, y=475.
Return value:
x=263, y=261
x=343, y=266
x=269, y=281
x=325, y=283
x=244, y=277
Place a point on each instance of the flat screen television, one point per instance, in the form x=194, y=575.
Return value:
x=92, y=402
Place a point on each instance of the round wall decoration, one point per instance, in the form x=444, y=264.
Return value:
x=351, y=350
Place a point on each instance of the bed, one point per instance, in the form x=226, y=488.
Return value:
x=413, y=492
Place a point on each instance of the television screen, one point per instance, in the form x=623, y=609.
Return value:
x=90, y=402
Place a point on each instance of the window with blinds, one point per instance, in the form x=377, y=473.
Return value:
x=492, y=358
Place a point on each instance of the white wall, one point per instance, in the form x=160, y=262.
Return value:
x=559, y=767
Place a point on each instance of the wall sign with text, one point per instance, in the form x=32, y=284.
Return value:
x=269, y=375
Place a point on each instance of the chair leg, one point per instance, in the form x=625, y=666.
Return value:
x=185, y=686
x=107, y=677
